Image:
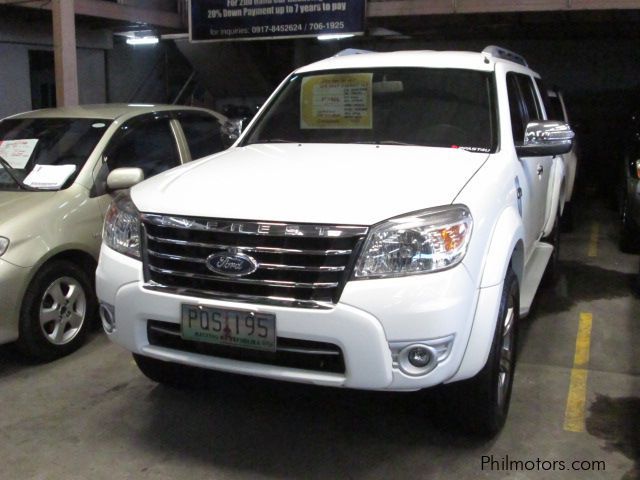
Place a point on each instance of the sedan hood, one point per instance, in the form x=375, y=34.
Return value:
x=334, y=184
x=18, y=203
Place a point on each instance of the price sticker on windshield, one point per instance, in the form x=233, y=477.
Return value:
x=337, y=101
x=18, y=152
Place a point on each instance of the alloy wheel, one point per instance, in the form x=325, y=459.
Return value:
x=63, y=310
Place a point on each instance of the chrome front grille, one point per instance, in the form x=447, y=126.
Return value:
x=297, y=264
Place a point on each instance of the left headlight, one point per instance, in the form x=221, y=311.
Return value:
x=422, y=242
x=4, y=244
x=122, y=227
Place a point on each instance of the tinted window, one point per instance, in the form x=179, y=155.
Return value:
x=524, y=104
x=417, y=106
x=58, y=141
x=148, y=145
x=534, y=112
x=203, y=134
x=516, y=109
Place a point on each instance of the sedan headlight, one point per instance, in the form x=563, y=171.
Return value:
x=122, y=227
x=4, y=244
x=422, y=242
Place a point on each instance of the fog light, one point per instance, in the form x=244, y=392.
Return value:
x=419, y=357
x=108, y=317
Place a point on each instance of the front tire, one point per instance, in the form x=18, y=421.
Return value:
x=490, y=390
x=57, y=310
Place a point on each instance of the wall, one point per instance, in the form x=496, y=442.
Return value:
x=19, y=35
x=91, y=76
x=15, y=93
x=135, y=73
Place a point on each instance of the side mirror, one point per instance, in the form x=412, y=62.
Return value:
x=122, y=178
x=231, y=130
x=546, y=138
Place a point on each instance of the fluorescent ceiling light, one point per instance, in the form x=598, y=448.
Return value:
x=150, y=40
x=335, y=36
x=175, y=36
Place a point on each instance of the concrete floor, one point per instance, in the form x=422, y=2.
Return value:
x=94, y=416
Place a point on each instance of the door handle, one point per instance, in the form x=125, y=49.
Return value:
x=540, y=169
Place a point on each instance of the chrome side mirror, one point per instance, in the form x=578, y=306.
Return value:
x=122, y=178
x=545, y=138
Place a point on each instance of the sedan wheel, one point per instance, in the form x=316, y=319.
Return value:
x=63, y=310
x=57, y=310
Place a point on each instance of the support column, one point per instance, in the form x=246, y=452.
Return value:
x=64, y=48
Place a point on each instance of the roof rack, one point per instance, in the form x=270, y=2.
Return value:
x=499, y=52
x=352, y=51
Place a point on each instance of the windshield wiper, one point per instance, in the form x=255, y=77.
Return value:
x=275, y=140
x=13, y=176
x=386, y=142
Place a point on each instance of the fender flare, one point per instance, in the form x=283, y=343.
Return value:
x=506, y=248
x=555, y=197
x=507, y=235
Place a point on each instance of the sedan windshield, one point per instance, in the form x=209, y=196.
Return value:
x=451, y=108
x=46, y=153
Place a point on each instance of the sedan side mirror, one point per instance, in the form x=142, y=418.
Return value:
x=122, y=178
x=546, y=138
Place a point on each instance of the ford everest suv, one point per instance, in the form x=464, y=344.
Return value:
x=379, y=225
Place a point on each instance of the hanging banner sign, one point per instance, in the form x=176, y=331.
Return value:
x=223, y=20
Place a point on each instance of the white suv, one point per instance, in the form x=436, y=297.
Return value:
x=379, y=225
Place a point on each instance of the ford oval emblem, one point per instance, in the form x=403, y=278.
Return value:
x=231, y=264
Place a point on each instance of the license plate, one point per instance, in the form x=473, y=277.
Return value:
x=222, y=326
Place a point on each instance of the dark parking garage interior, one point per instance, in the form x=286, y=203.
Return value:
x=575, y=407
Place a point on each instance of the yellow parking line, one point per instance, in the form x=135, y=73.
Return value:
x=574, y=417
x=593, y=241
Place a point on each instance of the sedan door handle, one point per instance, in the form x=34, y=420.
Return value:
x=540, y=169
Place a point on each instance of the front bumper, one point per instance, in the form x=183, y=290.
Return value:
x=371, y=318
x=13, y=283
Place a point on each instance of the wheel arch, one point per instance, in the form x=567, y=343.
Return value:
x=506, y=250
x=74, y=254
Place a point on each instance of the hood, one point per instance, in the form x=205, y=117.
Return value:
x=18, y=203
x=311, y=183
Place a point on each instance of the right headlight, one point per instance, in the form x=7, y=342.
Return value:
x=122, y=227
x=4, y=244
x=421, y=242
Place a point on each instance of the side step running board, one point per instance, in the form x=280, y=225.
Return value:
x=533, y=275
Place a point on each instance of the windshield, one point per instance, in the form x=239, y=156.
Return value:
x=47, y=153
x=449, y=108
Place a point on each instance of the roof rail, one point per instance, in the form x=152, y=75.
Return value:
x=499, y=52
x=352, y=51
